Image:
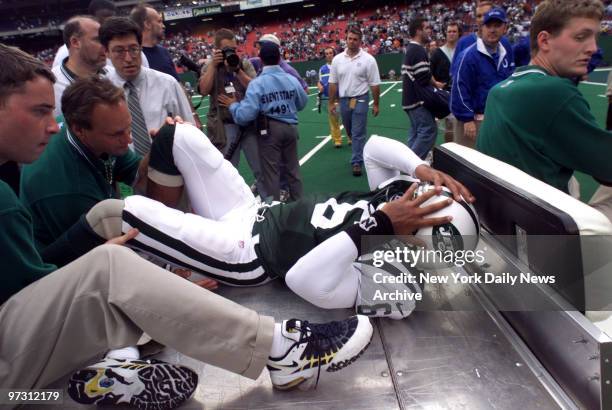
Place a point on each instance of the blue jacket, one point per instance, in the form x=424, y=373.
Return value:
x=273, y=93
x=466, y=41
x=324, y=78
x=477, y=72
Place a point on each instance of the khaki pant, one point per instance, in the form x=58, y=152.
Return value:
x=105, y=300
x=459, y=135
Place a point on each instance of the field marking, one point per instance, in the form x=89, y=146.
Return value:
x=591, y=83
x=325, y=140
x=316, y=149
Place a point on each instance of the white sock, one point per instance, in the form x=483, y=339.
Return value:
x=127, y=353
x=280, y=344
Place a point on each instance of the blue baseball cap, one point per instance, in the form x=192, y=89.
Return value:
x=495, y=14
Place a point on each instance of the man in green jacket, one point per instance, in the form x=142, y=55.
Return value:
x=537, y=120
x=83, y=163
x=58, y=320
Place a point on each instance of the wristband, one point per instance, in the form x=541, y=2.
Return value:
x=377, y=224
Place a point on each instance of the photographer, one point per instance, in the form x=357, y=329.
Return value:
x=228, y=74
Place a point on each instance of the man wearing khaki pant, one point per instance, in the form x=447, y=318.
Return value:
x=54, y=321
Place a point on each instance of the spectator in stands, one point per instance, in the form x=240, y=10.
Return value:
x=440, y=69
x=481, y=66
x=323, y=86
x=417, y=76
x=60, y=319
x=152, y=27
x=353, y=73
x=276, y=97
x=152, y=96
x=86, y=55
x=228, y=74
x=552, y=140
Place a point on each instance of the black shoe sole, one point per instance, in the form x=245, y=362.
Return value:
x=334, y=367
x=154, y=397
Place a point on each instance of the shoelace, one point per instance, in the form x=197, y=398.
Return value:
x=318, y=333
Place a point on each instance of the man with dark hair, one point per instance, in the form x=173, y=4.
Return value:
x=227, y=73
x=440, y=69
x=482, y=65
x=323, y=86
x=416, y=74
x=152, y=96
x=152, y=26
x=538, y=120
x=86, y=56
x=276, y=97
x=353, y=73
x=62, y=319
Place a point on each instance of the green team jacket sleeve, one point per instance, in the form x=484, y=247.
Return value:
x=126, y=168
x=21, y=262
x=577, y=141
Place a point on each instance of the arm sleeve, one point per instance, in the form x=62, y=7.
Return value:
x=19, y=253
x=333, y=73
x=292, y=71
x=183, y=108
x=126, y=167
x=246, y=110
x=373, y=73
x=172, y=72
x=302, y=99
x=579, y=142
x=422, y=72
x=79, y=239
x=462, y=105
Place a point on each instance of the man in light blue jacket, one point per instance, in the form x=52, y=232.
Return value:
x=480, y=66
x=275, y=98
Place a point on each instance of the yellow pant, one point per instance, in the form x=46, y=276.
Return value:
x=334, y=127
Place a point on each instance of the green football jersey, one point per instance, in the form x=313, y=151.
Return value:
x=289, y=231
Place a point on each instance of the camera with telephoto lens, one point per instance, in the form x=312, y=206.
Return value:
x=230, y=57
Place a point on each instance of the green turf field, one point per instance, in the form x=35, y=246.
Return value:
x=326, y=169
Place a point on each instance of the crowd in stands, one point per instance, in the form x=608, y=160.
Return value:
x=385, y=29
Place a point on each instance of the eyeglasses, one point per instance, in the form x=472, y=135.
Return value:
x=133, y=51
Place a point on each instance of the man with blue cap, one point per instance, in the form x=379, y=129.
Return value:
x=481, y=66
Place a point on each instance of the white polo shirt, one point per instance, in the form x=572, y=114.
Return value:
x=354, y=75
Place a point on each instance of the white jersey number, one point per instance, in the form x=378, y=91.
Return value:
x=320, y=220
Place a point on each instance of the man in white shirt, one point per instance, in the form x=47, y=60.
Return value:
x=152, y=95
x=86, y=55
x=353, y=73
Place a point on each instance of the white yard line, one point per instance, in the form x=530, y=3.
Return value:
x=325, y=140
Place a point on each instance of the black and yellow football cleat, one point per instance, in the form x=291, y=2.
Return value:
x=144, y=384
x=329, y=346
